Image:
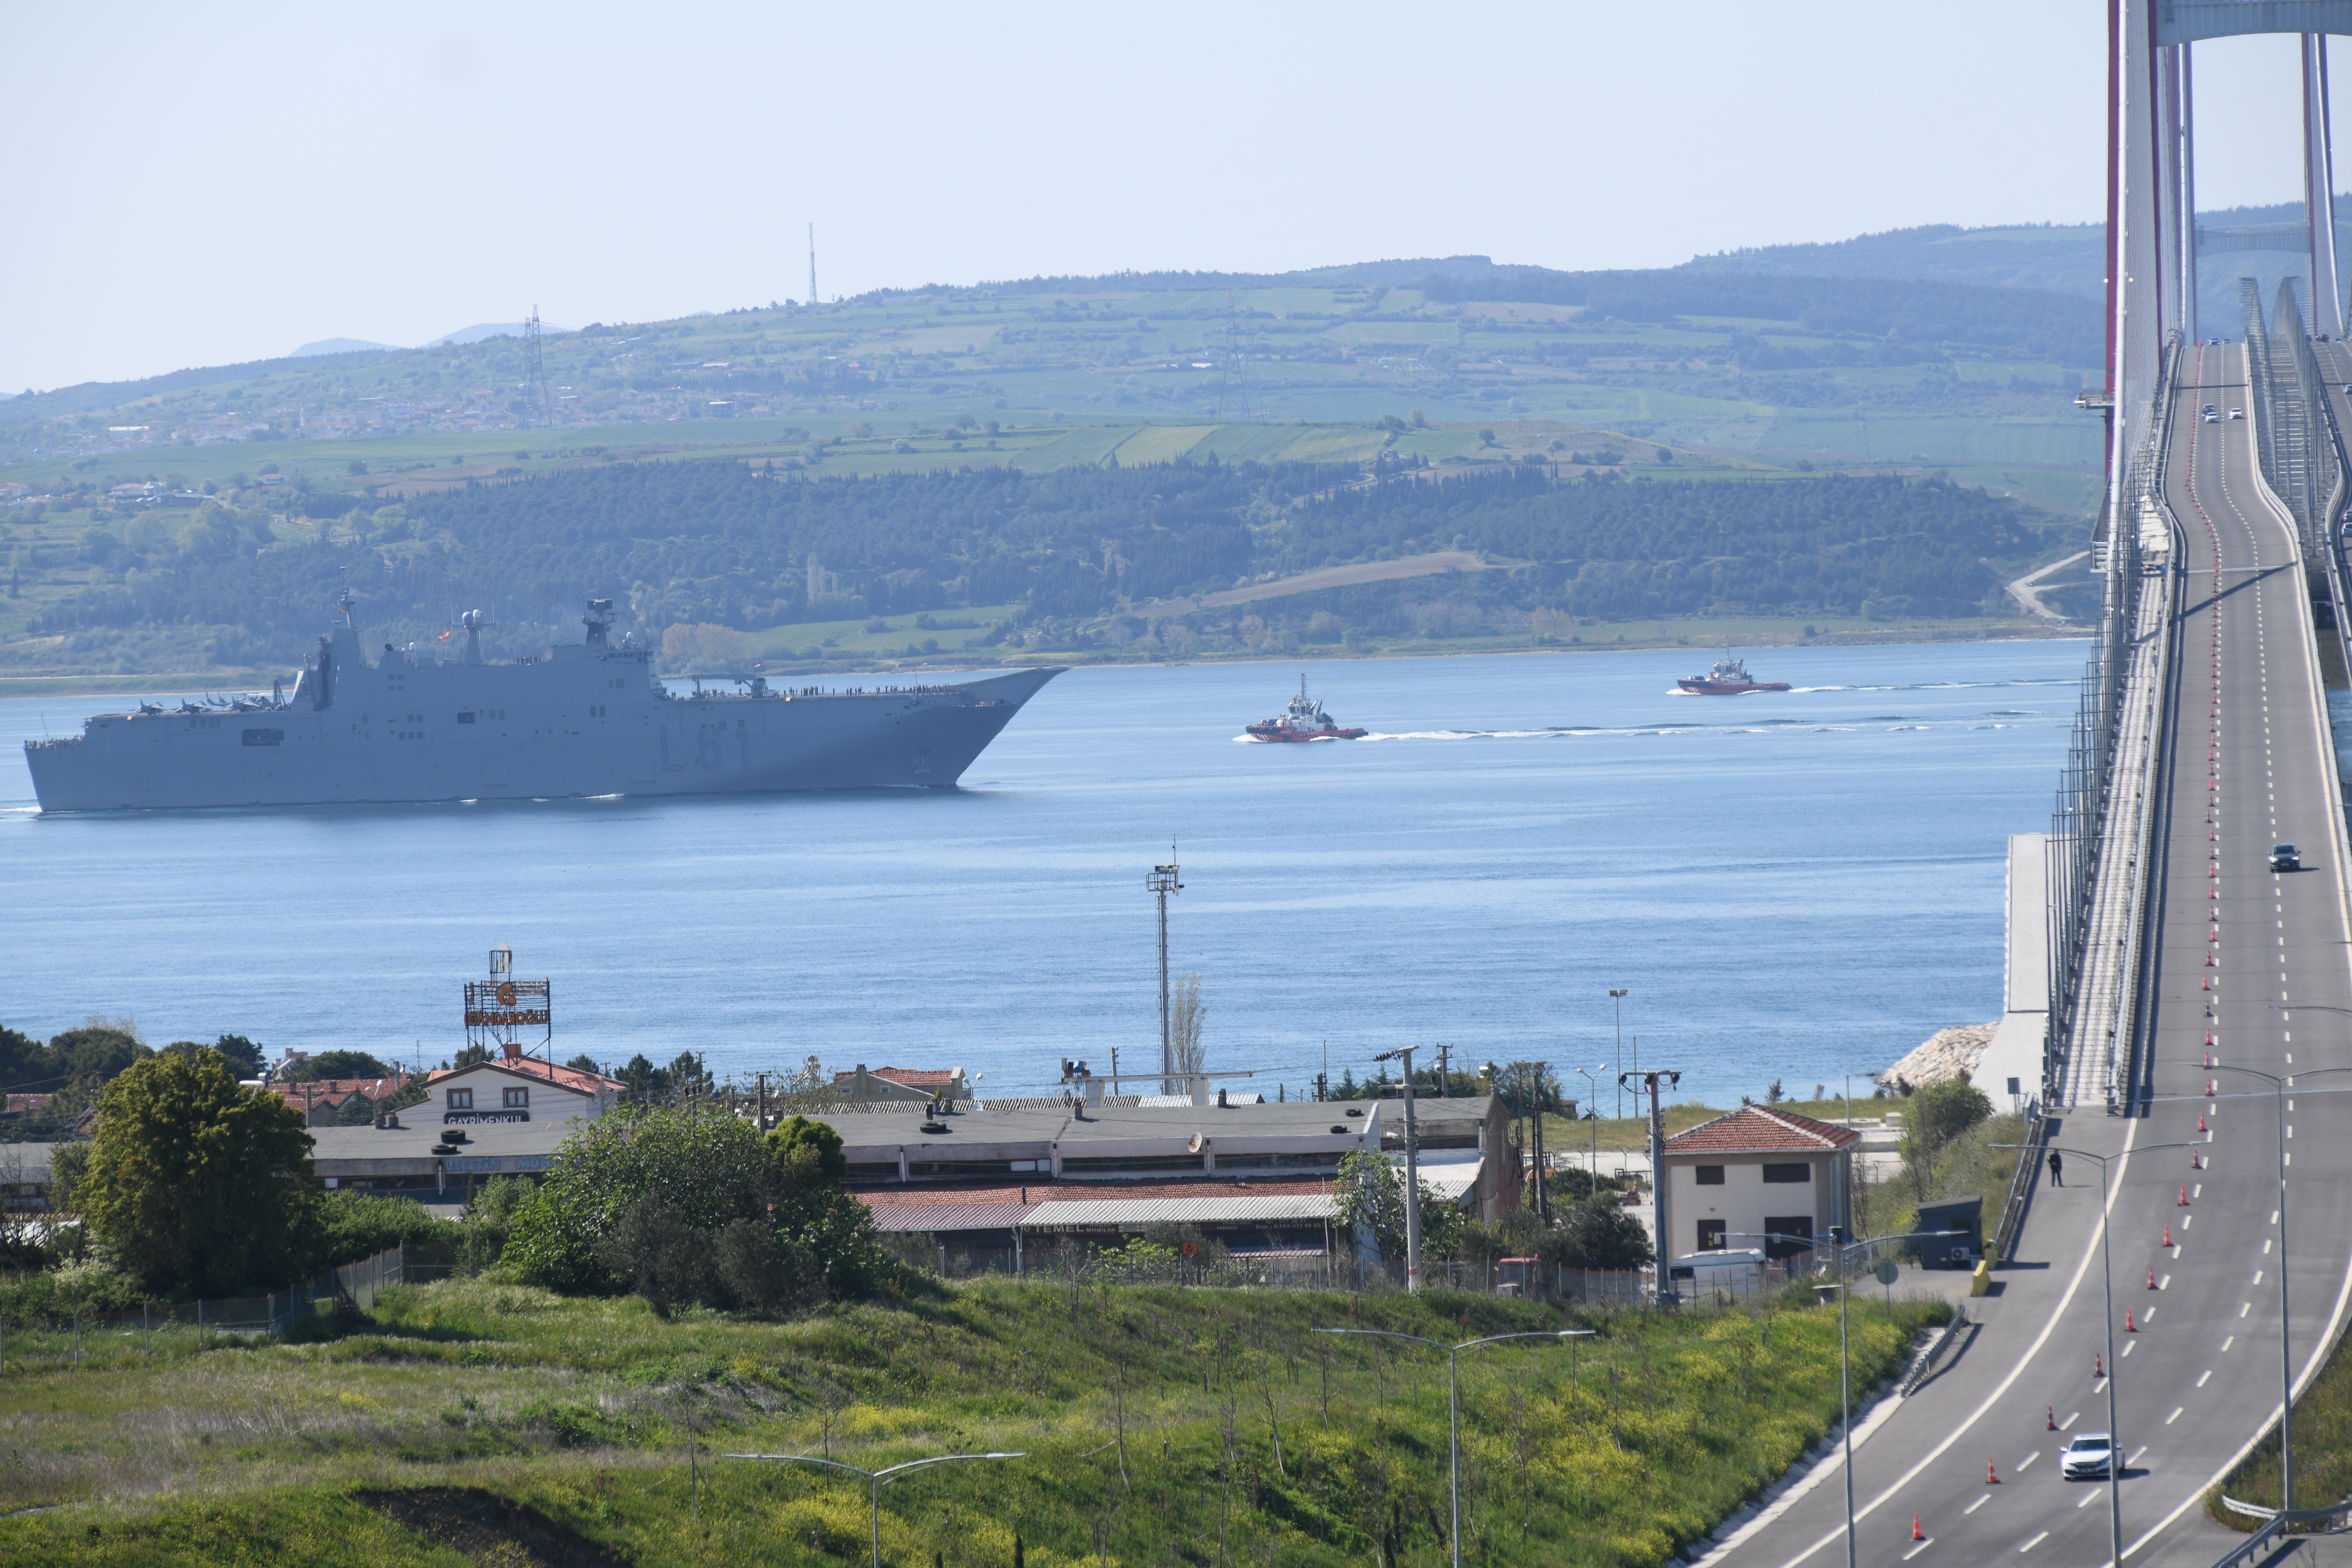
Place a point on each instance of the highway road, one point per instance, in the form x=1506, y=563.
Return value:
x=2199, y=1378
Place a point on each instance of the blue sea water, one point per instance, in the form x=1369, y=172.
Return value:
x=1794, y=886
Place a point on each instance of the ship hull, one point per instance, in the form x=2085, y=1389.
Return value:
x=569, y=728
x=1277, y=732
x=1730, y=688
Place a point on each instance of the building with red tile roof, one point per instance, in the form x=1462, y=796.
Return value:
x=1760, y=1179
x=322, y=1100
x=518, y=1087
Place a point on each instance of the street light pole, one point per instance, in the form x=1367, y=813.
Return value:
x=1411, y=1173
x=1164, y=881
x=1454, y=1396
x=875, y=1480
x=1618, y=997
x=1592, y=1114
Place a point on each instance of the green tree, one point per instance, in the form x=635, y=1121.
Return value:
x=337, y=1065
x=1370, y=1197
x=1601, y=1234
x=811, y=1210
x=245, y=1056
x=708, y=1169
x=198, y=1183
x=1932, y=1117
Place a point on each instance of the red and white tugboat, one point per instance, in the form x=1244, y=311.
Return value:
x=1729, y=677
x=1304, y=719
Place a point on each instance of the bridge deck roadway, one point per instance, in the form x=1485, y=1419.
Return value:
x=2199, y=1381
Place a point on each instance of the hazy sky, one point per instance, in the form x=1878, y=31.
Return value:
x=207, y=185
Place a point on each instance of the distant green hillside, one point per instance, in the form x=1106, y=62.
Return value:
x=2064, y=258
x=1097, y=556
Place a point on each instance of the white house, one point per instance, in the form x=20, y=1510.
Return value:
x=518, y=1088
x=1759, y=1173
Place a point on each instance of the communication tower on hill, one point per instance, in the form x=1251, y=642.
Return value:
x=538, y=410
x=500, y=1012
x=1233, y=385
x=811, y=266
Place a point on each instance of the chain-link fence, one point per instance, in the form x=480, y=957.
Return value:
x=73, y=1336
x=1077, y=1265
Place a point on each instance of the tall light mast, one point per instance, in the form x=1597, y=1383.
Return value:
x=1164, y=881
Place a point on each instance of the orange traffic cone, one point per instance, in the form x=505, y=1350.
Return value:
x=1916, y=1533
x=2200, y=1122
x=2151, y=1278
x=1992, y=1478
x=2096, y=1370
x=2194, y=1163
x=2053, y=1414
x=2128, y=1327
x=2168, y=1236
x=2184, y=1194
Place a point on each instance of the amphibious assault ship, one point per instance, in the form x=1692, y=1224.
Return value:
x=590, y=719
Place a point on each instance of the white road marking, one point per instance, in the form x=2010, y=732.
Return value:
x=2203, y=1376
x=1917, y=1550
x=2090, y=1498
x=2175, y=1416
x=2036, y=1454
x=2233, y=1339
x=1976, y=1505
x=2127, y=1348
x=2035, y=1541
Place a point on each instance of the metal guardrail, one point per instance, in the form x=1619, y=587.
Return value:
x=1927, y=1360
x=2277, y=1525
x=2004, y=1247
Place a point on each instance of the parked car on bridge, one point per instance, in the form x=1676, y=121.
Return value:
x=2087, y=1457
x=2237, y=413
x=2211, y=417
x=2285, y=858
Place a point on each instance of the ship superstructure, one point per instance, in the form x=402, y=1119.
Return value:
x=589, y=719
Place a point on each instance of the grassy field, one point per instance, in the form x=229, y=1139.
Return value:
x=1160, y=1424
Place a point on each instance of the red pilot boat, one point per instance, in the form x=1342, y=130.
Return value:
x=1304, y=719
x=1729, y=677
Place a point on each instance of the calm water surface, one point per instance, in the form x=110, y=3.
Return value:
x=1791, y=886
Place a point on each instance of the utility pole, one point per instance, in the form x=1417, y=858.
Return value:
x=1619, y=998
x=1543, y=1198
x=1164, y=881
x=1445, y=1066
x=1412, y=1172
x=763, y=1123
x=1664, y=1233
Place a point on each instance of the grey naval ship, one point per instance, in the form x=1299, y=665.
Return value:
x=590, y=719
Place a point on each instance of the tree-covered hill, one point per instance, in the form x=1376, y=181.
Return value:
x=724, y=544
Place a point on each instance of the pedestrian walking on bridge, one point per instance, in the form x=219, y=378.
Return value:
x=2057, y=1169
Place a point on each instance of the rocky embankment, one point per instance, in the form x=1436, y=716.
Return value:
x=1947, y=1053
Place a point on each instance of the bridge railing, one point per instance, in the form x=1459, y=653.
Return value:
x=2079, y=814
